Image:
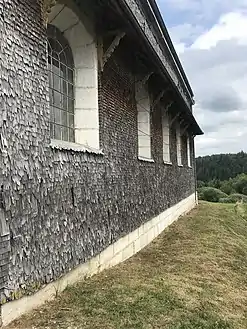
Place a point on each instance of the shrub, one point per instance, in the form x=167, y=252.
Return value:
x=226, y=187
x=225, y=200
x=200, y=184
x=240, y=183
x=238, y=197
x=211, y=194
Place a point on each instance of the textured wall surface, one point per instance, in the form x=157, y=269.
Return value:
x=4, y=264
x=63, y=207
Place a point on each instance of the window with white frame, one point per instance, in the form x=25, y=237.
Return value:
x=4, y=227
x=179, y=145
x=166, y=137
x=143, y=118
x=189, y=150
x=61, y=86
x=73, y=69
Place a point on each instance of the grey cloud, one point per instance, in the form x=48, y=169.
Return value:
x=218, y=76
x=213, y=122
x=221, y=145
x=202, y=11
x=222, y=136
x=212, y=74
x=224, y=53
x=224, y=99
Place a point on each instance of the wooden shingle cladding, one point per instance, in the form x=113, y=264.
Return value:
x=66, y=205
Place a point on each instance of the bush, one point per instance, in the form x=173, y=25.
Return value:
x=226, y=187
x=240, y=183
x=225, y=200
x=200, y=184
x=211, y=194
x=238, y=197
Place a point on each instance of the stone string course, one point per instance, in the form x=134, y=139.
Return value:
x=64, y=207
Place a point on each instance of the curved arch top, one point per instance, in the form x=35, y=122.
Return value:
x=84, y=49
x=47, y=6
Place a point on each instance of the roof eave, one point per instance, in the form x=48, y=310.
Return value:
x=196, y=129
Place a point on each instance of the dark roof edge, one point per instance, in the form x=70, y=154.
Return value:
x=124, y=6
x=163, y=28
x=197, y=129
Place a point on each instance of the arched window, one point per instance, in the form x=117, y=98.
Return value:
x=61, y=86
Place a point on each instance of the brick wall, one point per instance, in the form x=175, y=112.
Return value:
x=64, y=207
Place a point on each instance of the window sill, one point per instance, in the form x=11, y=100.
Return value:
x=180, y=165
x=4, y=234
x=63, y=145
x=145, y=159
x=167, y=163
x=190, y=167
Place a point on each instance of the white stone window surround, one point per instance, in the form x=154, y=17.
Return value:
x=143, y=121
x=189, y=151
x=166, y=138
x=179, y=145
x=84, y=49
x=78, y=148
x=4, y=228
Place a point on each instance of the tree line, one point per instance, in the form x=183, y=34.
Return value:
x=221, y=166
x=222, y=177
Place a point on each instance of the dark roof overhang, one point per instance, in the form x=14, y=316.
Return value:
x=169, y=48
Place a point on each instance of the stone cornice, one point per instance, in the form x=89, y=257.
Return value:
x=47, y=6
x=165, y=58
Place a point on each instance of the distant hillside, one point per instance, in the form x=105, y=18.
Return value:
x=221, y=166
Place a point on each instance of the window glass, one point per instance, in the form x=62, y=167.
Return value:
x=61, y=86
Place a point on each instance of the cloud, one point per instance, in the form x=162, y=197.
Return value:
x=224, y=133
x=222, y=100
x=217, y=76
x=201, y=10
x=215, y=61
x=232, y=25
x=184, y=33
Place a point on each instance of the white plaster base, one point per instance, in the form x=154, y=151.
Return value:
x=121, y=250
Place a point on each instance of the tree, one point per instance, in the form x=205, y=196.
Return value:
x=221, y=166
x=226, y=187
x=200, y=184
x=244, y=190
x=240, y=183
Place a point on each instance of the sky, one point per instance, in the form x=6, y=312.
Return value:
x=210, y=37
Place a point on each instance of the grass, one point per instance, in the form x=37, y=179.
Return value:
x=194, y=275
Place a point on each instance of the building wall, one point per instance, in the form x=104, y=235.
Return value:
x=4, y=264
x=116, y=253
x=64, y=207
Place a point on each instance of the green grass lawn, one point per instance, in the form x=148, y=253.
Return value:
x=194, y=275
